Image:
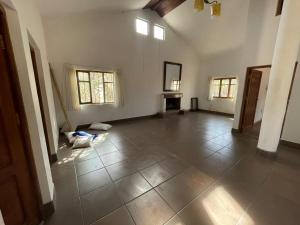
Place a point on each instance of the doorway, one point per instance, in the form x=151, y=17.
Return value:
x=19, y=196
x=255, y=90
x=40, y=99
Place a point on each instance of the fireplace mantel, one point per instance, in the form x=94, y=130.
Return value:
x=168, y=96
x=172, y=95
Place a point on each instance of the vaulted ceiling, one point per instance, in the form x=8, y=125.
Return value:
x=60, y=7
x=209, y=36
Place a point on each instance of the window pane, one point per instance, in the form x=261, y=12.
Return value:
x=233, y=81
x=108, y=77
x=97, y=87
x=141, y=26
x=224, y=88
x=159, y=32
x=85, y=95
x=225, y=82
x=216, y=88
x=83, y=76
x=109, y=93
x=233, y=90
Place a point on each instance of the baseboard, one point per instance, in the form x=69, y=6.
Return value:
x=289, y=144
x=216, y=113
x=85, y=126
x=53, y=158
x=265, y=154
x=235, y=131
x=48, y=210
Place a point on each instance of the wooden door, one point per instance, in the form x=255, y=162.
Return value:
x=18, y=192
x=38, y=88
x=252, y=92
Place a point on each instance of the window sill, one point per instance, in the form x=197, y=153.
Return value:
x=100, y=104
x=229, y=98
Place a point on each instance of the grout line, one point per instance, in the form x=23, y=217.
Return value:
x=79, y=196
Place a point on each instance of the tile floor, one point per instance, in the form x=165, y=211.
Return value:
x=183, y=170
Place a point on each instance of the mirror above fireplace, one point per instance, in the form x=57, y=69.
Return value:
x=172, y=76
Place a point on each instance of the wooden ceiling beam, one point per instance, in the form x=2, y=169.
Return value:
x=163, y=7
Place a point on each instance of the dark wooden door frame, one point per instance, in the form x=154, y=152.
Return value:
x=247, y=79
x=16, y=90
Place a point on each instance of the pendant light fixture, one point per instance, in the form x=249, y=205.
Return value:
x=214, y=5
x=199, y=5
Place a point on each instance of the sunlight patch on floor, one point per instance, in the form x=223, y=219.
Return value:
x=223, y=209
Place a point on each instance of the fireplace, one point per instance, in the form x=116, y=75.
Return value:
x=173, y=104
x=171, y=101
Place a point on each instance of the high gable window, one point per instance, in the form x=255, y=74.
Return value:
x=224, y=87
x=142, y=26
x=159, y=32
x=95, y=87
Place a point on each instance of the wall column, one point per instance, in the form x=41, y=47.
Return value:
x=285, y=56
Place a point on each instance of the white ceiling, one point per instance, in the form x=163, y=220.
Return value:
x=208, y=36
x=61, y=7
x=211, y=36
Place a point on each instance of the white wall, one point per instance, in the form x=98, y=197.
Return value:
x=291, y=129
x=257, y=49
x=259, y=46
x=262, y=94
x=24, y=20
x=110, y=41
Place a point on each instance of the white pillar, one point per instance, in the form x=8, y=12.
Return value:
x=285, y=56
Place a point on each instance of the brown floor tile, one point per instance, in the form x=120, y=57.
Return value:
x=150, y=209
x=179, y=191
x=132, y=186
x=118, y=217
x=103, y=149
x=93, y=180
x=121, y=169
x=112, y=158
x=85, y=154
x=175, y=221
x=88, y=166
x=272, y=209
x=67, y=213
x=156, y=174
x=99, y=203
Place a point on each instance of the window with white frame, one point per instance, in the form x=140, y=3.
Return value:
x=159, y=32
x=142, y=26
x=95, y=87
x=224, y=87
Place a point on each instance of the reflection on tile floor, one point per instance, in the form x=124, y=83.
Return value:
x=183, y=170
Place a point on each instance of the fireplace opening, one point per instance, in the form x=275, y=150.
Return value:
x=173, y=103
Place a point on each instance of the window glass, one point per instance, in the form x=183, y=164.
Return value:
x=108, y=77
x=216, y=88
x=83, y=76
x=109, y=92
x=159, y=32
x=85, y=95
x=141, y=26
x=224, y=88
x=233, y=88
x=95, y=87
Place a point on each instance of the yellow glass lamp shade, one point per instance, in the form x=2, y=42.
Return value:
x=216, y=9
x=199, y=5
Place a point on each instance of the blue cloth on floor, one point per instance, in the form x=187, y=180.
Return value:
x=84, y=134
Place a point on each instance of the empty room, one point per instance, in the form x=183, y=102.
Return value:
x=149, y=112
